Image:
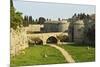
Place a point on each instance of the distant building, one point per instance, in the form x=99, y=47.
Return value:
x=55, y=26
x=62, y=26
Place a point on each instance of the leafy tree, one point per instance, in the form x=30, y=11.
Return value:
x=42, y=20
x=30, y=19
x=58, y=19
x=12, y=12
x=47, y=19
x=63, y=38
x=74, y=16
x=36, y=20
x=33, y=21
x=88, y=17
x=89, y=33
x=15, y=17
x=11, y=3
x=25, y=21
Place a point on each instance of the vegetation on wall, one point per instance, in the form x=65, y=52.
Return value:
x=15, y=16
x=63, y=38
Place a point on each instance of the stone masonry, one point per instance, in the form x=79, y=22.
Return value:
x=18, y=41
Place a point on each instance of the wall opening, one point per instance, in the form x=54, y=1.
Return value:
x=35, y=41
x=51, y=40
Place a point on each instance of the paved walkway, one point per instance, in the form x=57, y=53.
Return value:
x=67, y=56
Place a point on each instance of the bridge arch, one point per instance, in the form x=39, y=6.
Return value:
x=45, y=37
x=35, y=41
x=51, y=40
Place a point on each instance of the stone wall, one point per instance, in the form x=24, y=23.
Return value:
x=34, y=28
x=56, y=26
x=18, y=41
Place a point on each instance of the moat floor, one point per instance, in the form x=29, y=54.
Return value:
x=67, y=56
x=37, y=55
x=44, y=54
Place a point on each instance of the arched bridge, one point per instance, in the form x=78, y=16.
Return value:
x=46, y=37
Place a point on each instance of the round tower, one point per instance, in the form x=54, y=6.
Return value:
x=78, y=31
x=63, y=26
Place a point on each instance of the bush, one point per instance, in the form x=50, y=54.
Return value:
x=63, y=38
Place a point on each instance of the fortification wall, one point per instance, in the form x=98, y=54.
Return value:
x=18, y=41
x=35, y=28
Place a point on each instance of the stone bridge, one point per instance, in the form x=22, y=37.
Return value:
x=45, y=37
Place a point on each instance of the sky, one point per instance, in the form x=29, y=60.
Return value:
x=52, y=10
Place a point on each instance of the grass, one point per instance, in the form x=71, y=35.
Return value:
x=36, y=55
x=80, y=52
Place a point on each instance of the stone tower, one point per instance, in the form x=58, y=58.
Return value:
x=78, y=31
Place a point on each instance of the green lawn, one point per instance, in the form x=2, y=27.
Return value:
x=35, y=55
x=80, y=53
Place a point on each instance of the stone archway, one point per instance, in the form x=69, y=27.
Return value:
x=35, y=41
x=52, y=40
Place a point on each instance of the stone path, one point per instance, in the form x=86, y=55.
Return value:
x=67, y=56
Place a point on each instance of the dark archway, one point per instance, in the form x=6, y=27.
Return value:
x=35, y=41
x=52, y=40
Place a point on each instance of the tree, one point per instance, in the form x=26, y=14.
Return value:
x=63, y=38
x=30, y=19
x=74, y=16
x=11, y=3
x=36, y=20
x=15, y=17
x=12, y=12
x=47, y=19
x=58, y=19
x=25, y=21
x=88, y=17
x=42, y=20
x=89, y=33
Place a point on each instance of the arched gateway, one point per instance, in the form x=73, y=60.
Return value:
x=52, y=40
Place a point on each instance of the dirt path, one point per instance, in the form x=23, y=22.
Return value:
x=67, y=56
